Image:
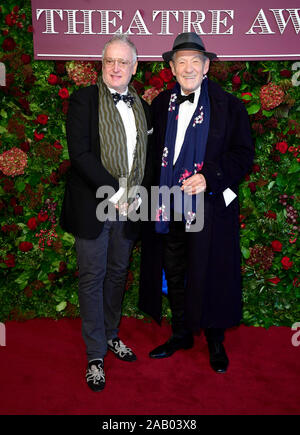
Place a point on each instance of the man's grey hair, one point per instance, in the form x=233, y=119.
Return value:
x=121, y=38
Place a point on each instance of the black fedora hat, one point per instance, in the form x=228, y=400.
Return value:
x=187, y=41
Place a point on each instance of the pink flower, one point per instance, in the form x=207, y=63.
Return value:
x=82, y=73
x=198, y=166
x=13, y=162
x=185, y=175
x=150, y=94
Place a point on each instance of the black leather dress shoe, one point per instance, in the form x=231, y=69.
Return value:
x=217, y=357
x=172, y=345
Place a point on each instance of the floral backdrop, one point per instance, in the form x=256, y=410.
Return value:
x=37, y=259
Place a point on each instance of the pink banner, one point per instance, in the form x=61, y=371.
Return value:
x=235, y=30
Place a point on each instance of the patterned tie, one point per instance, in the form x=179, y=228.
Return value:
x=183, y=98
x=128, y=99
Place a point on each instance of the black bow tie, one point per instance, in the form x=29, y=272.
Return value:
x=128, y=99
x=183, y=98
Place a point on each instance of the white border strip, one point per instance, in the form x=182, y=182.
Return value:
x=159, y=55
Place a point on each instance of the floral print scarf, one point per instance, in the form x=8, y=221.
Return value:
x=190, y=159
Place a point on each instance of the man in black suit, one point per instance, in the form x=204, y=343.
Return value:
x=107, y=142
x=202, y=143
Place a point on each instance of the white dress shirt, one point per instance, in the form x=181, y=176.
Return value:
x=185, y=113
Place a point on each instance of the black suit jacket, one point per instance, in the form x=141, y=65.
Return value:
x=87, y=174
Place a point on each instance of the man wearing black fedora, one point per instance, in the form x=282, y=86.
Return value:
x=202, y=143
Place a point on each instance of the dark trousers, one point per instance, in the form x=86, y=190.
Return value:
x=174, y=264
x=103, y=266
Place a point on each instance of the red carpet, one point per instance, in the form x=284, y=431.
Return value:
x=42, y=371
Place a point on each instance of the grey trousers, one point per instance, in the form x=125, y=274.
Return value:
x=103, y=266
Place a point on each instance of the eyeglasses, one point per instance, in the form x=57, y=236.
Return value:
x=110, y=62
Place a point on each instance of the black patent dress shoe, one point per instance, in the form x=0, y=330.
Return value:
x=217, y=357
x=172, y=345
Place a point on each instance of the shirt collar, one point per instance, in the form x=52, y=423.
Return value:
x=113, y=91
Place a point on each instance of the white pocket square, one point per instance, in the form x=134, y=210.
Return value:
x=150, y=131
x=229, y=196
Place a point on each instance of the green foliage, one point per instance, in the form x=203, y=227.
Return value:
x=40, y=278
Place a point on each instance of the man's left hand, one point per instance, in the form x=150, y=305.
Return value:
x=194, y=184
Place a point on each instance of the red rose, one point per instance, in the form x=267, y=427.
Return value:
x=274, y=280
x=246, y=100
x=296, y=282
x=171, y=85
x=30, y=28
x=13, y=201
x=26, y=59
x=60, y=66
x=10, y=260
x=42, y=119
x=271, y=214
x=57, y=145
x=43, y=216
x=166, y=75
x=282, y=147
x=64, y=166
x=139, y=87
x=32, y=223
x=255, y=168
x=24, y=103
x=63, y=93
x=52, y=79
x=10, y=20
x=65, y=106
x=276, y=246
x=24, y=146
x=286, y=263
x=62, y=267
x=53, y=178
x=18, y=210
x=156, y=82
x=25, y=246
x=38, y=136
x=52, y=276
x=252, y=187
x=8, y=186
x=236, y=82
x=9, y=44
x=285, y=73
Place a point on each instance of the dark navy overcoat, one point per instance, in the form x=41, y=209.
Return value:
x=213, y=282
